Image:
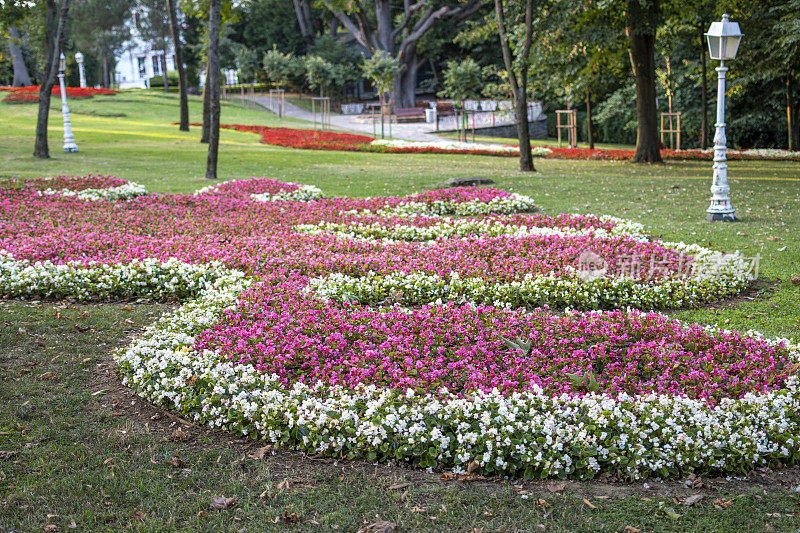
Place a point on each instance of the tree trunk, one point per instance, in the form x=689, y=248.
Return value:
x=589, y=125
x=791, y=115
x=106, y=77
x=641, y=23
x=204, y=135
x=703, y=91
x=176, y=44
x=21, y=76
x=519, y=86
x=404, y=92
x=164, y=70
x=55, y=40
x=302, y=8
x=212, y=88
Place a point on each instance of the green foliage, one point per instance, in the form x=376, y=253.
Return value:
x=280, y=67
x=381, y=69
x=463, y=80
x=320, y=73
x=172, y=80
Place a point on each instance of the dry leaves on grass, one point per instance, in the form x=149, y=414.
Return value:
x=693, y=499
x=398, y=486
x=260, y=453
x=176, y=462
x=179, y=435
x=221, y=502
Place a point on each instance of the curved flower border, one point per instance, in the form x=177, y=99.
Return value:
x=524, y=434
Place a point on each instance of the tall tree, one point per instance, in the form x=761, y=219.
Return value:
x=642, y=18
x=55, y=26
x=21, y=76
x=517, y=68
x=398, y=32
x=99, y=28
x=213, y=88
x=153, y=24
x=176, y=44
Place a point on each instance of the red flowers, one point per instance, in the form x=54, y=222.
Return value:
x=30, y=94
x=308, y=139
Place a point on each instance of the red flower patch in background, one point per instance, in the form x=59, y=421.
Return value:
x=30, y=94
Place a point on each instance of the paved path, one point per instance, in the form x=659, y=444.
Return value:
x=417, y=131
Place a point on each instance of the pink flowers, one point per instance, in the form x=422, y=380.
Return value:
x=281, y=327
x=301, y=339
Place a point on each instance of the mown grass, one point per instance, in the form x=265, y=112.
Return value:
x=72, y=456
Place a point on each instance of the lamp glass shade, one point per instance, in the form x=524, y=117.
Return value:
x=723, y=39
x=62, y=63
x=79, y=57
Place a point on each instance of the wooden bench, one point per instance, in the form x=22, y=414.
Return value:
x=409, y=114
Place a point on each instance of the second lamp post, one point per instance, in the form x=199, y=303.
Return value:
x=723, y=42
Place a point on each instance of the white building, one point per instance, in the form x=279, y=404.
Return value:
x=139, y=61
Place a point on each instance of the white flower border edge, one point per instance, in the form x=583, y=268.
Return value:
x=128, y=190
x=458, y=146
x=526, y=434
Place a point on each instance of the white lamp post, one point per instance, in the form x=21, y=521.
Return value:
x=69, y=140
x=723, y=42
x=79, y=59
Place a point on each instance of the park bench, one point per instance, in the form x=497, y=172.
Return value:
x=409, y=114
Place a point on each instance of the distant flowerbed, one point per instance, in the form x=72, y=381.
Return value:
x=428, y=328
x=30, y=94
x=309, y=139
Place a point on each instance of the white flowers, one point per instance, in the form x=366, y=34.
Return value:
x=457, y=146
x=128, y=190
x=304, y=193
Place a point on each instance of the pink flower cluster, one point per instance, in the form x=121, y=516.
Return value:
x=260, y=237
x=461, y=348
x=75, y=183
x=279, y=327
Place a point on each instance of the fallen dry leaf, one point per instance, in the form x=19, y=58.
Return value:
x=221, y=502
x=631, y=529
x=719, y=503
x=472, y=466
x=262, y=452
x=179, y=435
x=7, y=454
x=138, y=515
x=793, y=369
x=554, y=488
x=379, y=527
x=542, y=503
x=266, y=494
x=53, y=516
x=590, y=504
x=398, y=486
x=795, y=280
x=176, y=462
x=51, y=527
x=290, y=518
x=693, y=499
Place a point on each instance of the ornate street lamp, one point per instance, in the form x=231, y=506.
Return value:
x=69, y=140
x=79, y=59
x=723, y=42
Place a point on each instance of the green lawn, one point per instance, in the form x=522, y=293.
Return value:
x=73, y=445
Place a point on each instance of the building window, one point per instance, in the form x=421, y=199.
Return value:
x=157, y=65
x=142, y=67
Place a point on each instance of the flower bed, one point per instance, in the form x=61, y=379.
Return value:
x=30, y=94
x=260, y=350
x=308, y=139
